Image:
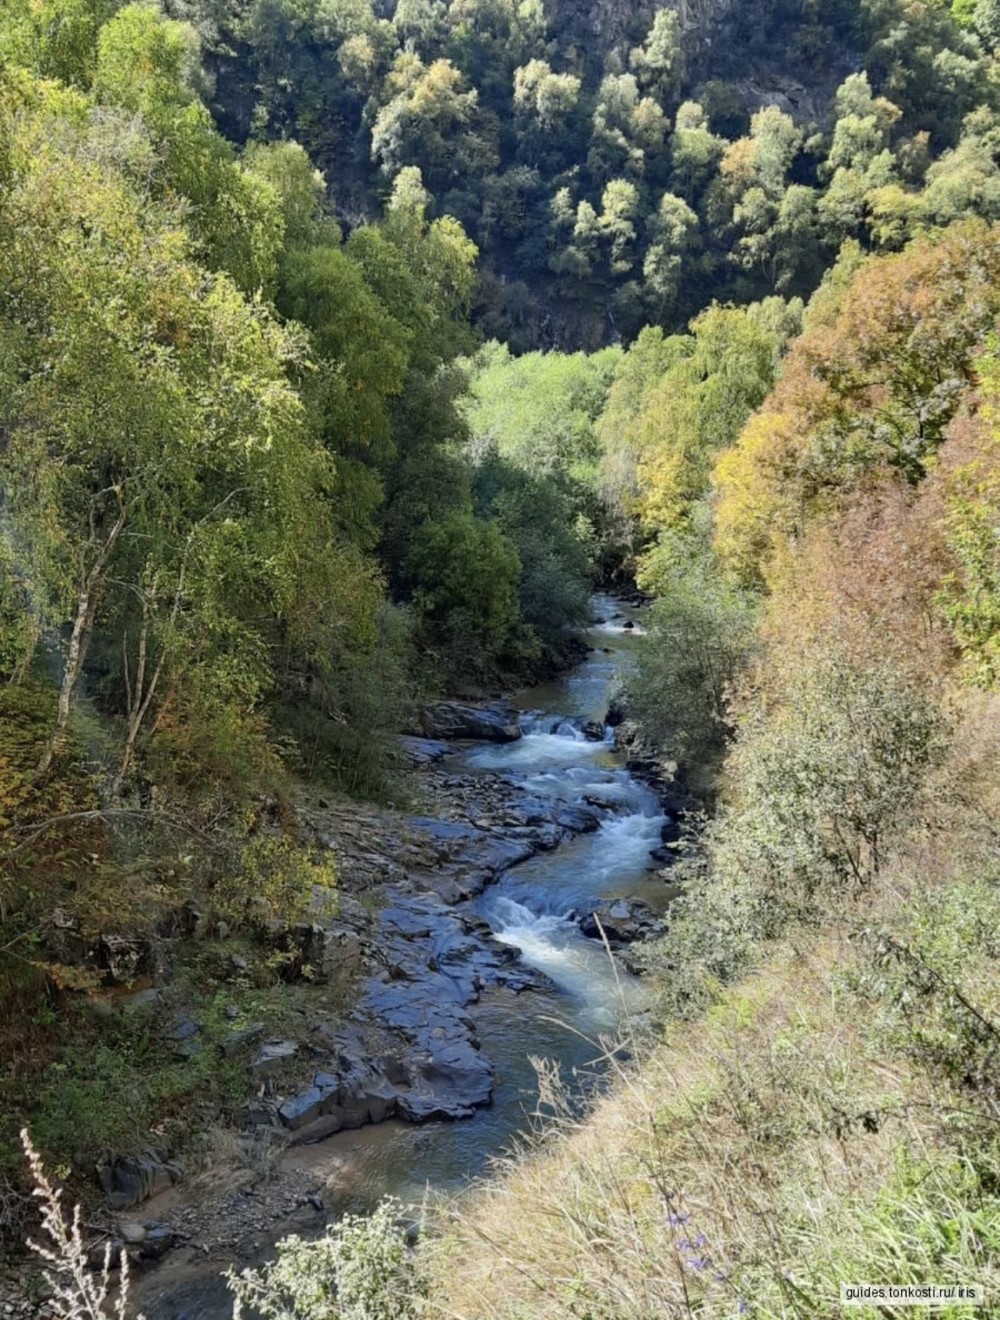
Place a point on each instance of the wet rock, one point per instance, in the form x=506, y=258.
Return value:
x=577, y=819
x=617, y=714
x=449, y=720
x=593, y=731
x=424, y=751
x=623, y=922
x=326, y=1125
x=302, y=1108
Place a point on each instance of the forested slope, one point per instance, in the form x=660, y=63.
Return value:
x=620, y=163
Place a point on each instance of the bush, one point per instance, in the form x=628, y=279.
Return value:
x=359, y=1270
x=824, y=777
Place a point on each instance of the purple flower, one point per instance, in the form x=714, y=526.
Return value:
x=693, y=1244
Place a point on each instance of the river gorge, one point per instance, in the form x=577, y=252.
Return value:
x=484, y=965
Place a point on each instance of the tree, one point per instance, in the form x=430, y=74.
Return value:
x=464, y=575
x=874, y=383
x=626, y=129
x=430, y=121
x=673, y=231
x=659, y=62
x=619, y=205
x=544, y=106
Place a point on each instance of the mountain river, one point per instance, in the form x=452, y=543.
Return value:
x=534, y=907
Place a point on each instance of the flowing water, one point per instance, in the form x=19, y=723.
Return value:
x=535, y=908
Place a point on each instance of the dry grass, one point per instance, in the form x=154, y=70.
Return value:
x=711, y=1181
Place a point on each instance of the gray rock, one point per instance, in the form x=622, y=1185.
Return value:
x=141, y=1000
x=132, y=1232
x=128, y=1180
x=623, y=922
x=424, y=751
x=236, y=1040
x=183, y=1029
x=497, y=722
x=302, y=1108
x=273, y=1053
x=158, y=1241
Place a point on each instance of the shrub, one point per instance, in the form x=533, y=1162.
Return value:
x=359, y=1270
x=825, y=777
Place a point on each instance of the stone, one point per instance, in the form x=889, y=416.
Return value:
x=141, y=1000
x=260, y=1113
x=302, y=1108
x=183, y=1029
x=128, y=1180
x=449, y=720
x=123, y=957
x=327, y=1125
x=237, y=1039
x=272, y=1054
x=158, y=1241
x=424, y=751
x=623, y=922
x=132, y=1232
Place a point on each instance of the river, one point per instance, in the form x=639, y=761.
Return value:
x=535, y=908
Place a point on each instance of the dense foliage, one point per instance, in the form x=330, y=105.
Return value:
x=624, y=166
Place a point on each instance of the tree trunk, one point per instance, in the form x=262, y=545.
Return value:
x=83, y=626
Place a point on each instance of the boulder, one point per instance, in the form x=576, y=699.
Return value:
x=236, y=1040
x=123, y=957
x=303, y=1108
x=424, y=751
x=496, y=722
x=623, y=922
x=128, y=1180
